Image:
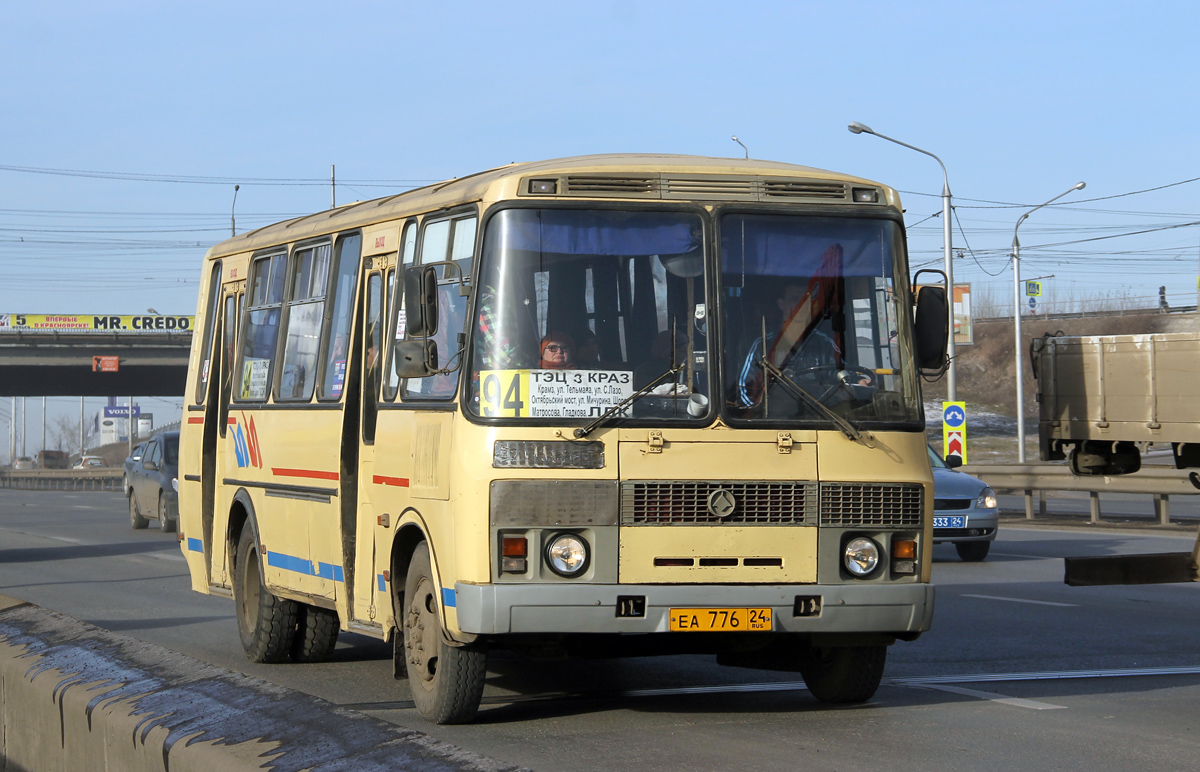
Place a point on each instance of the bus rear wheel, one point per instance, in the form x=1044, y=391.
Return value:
x=447, y=681
x=266, y=624
x=316, y=634
x=843, y=674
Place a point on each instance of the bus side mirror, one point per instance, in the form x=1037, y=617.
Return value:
x=416, y=358
x=420, y=301
x=932, y=326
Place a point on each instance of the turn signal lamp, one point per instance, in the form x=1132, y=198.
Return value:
x=904, y=556
x=513, y=554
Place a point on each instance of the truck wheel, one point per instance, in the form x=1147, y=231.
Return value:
x=447, y=681
x=973, y=551
x=164, y=515
x=842, y=674
x=316, y=634
x=266, y=624
x=135, y=517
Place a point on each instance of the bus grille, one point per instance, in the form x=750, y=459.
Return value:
x=683, y=503
x=871, y=504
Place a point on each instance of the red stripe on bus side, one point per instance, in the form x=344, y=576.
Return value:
x=196, y=419
x=310, y=473
x=399, y=482
x=231, y=421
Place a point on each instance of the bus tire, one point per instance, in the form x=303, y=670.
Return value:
x=316, y=633
x=135, y=516
x=164, y=515
x=447, y=681
x=843, y=674
x=266, y=624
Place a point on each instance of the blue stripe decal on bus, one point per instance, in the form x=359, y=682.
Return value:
x=382, y=584
x=448, y=599
x=194, y=545
x=302, y=566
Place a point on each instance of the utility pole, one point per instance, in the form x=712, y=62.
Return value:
x=81, y=440
x=332, y=188
x=43, y=423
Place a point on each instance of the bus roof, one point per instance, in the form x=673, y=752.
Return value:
x=501, y=182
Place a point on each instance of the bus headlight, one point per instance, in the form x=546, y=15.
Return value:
x=987, y=499
x=567, y=554
x=861, y=556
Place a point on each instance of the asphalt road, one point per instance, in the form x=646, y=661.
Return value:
x=1020, y=671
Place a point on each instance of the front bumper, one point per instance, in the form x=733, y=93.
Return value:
x=492, y=609
x=985, y=521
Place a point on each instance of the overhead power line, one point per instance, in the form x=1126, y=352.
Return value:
x=198, y=180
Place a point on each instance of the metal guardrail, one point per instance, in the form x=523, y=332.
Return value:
x=1161, y=483
x=106, y=479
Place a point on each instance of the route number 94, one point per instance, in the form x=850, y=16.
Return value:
x=504, y=393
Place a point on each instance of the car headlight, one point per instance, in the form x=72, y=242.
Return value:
x=987, y=499
x=861, y=556
x=175, y=484
x=567, y=554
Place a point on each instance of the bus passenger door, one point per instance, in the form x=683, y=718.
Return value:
x=217, y=498
x=360, y=542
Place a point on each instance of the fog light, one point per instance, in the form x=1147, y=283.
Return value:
x=861, y=556
x=567, y=554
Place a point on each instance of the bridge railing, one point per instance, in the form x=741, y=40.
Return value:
x=1158, y=482
x=106, y=479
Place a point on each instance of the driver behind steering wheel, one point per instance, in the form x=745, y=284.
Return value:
x=816, y=358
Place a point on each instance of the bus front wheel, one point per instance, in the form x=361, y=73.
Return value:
x=266, y=623
x=843, y=674
x=447, y=681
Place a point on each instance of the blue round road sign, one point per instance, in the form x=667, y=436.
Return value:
x=954, y=417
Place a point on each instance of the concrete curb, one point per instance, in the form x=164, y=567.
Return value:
x=77, y=698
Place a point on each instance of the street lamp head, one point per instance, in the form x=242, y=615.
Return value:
x=1079, y=186
x=152, y=311
x=857, y=128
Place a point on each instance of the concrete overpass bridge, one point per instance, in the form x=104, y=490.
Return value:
x=93, y=355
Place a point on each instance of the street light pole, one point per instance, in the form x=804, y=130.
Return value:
x=951, y=379
x=1017, y=319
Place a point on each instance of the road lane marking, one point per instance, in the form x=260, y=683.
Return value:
x=164, y=556
x=1016, y=702
x=1045, y=675
x=1021, y=600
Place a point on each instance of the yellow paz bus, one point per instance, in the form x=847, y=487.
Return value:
x=598, y=406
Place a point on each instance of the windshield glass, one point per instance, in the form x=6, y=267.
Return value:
x=815, y=297
x=936, y=461
x=578, y=309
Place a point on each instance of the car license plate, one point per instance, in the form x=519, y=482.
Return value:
x=720, y=619
x=949, y=521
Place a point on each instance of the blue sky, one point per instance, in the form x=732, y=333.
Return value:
x=1020, y=100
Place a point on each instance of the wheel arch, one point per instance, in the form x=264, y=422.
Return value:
x=408, y=537
x=241, y=513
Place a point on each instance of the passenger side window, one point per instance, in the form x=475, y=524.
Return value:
x=337, y=346
x=372, y=342
x=152, y=455
x=408, y=256
x=305, y=311
x=262, y=326
x=450, y=239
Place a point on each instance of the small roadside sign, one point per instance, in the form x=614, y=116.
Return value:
x=106, y=364
x=954, y=430
x=1033, y=289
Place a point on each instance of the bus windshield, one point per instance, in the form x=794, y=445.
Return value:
x=578, y=309
x=810, y=312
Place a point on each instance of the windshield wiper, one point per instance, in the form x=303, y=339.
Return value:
x=847, y=428
x=584, y=431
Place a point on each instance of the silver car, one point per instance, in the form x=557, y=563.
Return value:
x=965, y=512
